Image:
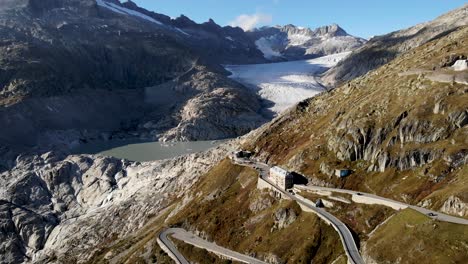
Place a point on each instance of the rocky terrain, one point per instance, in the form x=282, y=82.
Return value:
x=296, y=43
x=60, y=208
x=225, y=45
x=382, y=49
x=78, y=70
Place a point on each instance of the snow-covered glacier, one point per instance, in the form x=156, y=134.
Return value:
x=284, y=84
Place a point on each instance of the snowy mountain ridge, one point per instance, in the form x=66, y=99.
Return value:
x=292, y=42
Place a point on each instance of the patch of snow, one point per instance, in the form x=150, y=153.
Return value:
x=229, y=38
x=286, y=83
x=126, y=11
x=264, y=46
x=62, y=24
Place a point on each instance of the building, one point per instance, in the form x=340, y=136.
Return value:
x=342, y=173
x=281, y=178
x=243, y=154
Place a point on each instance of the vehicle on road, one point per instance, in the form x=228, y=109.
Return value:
x=431, y=214
x=291, y=192
x=359, y=193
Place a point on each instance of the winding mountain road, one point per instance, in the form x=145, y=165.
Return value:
x=169, y=247
x=193, y=240
x=347, y=238
x=345, y=234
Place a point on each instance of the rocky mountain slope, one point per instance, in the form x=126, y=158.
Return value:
x=74, y=70
x=383, y=49
x=295, y=43
x=56, y=208
x=225, y=45
x=402, y=131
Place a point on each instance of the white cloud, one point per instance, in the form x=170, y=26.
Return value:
x=249, y=22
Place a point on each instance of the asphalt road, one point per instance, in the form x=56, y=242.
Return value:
x=381, y=200
x=191, y=239
x=163, y=237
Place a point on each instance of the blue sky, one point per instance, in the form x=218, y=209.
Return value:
x=364, y=18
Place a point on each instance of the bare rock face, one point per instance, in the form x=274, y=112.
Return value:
x=455, y=206
x=220, y=108
x=61, y=208
x=284, y=217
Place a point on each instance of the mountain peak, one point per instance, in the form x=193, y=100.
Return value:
x=184, y=21
x=211, y=21
x=330, y=30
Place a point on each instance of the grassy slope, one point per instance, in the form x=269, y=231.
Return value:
x=362, y=219
x=227, y=219
x=411, y=237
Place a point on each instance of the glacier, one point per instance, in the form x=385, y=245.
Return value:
x=285, y=84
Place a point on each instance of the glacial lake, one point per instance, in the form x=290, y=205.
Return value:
x=136, y=150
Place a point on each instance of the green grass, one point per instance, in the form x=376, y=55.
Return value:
x=411, y=237
x=130, y=248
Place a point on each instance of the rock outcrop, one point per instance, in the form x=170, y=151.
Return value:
x=455, y=206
